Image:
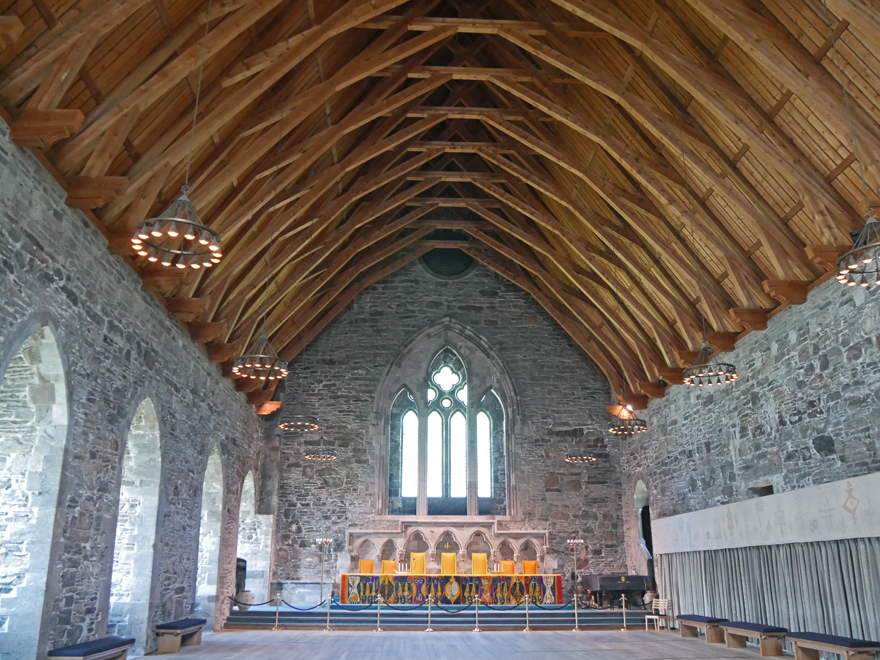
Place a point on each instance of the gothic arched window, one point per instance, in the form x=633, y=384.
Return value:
x=449, y=450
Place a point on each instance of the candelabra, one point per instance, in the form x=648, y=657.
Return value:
x=324, y=543
x=575, y=545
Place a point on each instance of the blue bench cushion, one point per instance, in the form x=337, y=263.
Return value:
x=845, y=642
x=698, y=618
x=756, y=627
x=182, y=624
x=90, y=648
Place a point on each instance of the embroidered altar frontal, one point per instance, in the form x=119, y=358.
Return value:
x=451, y=589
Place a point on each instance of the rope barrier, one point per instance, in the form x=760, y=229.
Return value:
x=350, y=608
x=544, y=607
x=501, y=608
x=458, y=611
x=304, y=609
x=408, y=607
x=268, y=602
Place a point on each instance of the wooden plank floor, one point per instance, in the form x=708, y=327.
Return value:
x=318, y=645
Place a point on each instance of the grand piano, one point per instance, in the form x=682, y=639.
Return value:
x=607, y=590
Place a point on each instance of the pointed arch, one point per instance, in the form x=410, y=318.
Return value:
x=131, y=578
x=448, y=429
x=33, y=443
x=210, y=522
x=254, y=541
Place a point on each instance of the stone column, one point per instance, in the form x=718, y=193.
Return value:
x=421, y=395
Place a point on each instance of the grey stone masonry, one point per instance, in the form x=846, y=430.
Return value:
x=560, y=398
x=805, y=411
x=119, y=347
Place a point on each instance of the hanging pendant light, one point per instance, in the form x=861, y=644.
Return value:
x=705, y=372
x=626, y=423
x=861, y=265
x=301, y=424
x=580, y=457
x=178, y=238
x=261, y=361
x=321, y=452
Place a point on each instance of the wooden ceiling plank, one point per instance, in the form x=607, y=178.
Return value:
x=779, y=53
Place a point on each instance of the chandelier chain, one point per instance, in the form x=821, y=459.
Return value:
x=192, y=133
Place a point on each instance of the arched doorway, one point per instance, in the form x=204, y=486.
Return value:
x=643, y=518
x=132, y=576
x=33, y=435
x=254, y=541
x=209, y=539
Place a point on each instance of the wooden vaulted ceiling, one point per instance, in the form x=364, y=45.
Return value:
x=634, y=165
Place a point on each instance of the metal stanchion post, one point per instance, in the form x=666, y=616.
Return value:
x=575, y=600
x=527, y=628
x=429, y=628
x=277, y=606
x=623, y=602
x=477, y=622
x=329, y=602
x=379, y=614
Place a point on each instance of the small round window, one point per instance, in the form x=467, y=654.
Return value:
x=446, y=263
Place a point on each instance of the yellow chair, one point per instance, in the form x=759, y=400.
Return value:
x=479, y=563
x=389, y=567
x=530, y=567
x=417, y=563
x=507, y=567
x=366, y=566
x=447, y=563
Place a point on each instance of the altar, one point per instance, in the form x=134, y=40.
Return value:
x=357, y=588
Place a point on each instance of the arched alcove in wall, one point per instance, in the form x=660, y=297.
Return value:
x=209, y=539
x=33, y=434
x=477, y=543
x=254, y=541
x=415, y=543
x=132, y=574
x=643, y=513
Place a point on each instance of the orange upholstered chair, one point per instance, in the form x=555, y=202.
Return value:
x=389, y=567
x=417, y=563
x=479, y=563
x=447, y=563
x=507, y=567
x=366, y=566
x=530, y=567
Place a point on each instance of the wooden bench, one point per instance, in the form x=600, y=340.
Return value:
x=109, y=648
x=691, y=624
x=173, y=635
x=807, y=646
x=736, y=633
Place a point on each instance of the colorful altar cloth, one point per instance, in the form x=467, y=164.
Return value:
x=451, y=589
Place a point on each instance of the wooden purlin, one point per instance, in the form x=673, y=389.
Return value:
x=612, y=158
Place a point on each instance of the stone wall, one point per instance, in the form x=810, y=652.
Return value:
x=560, y=397
x=119, y=346
x=805, y=411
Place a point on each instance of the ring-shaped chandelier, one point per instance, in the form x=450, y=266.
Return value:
x=861, y=265
x=706, y=373
x=301, y=424
x=580, y=458
x=178, y=238
x=261, y=361
x=626, y=423
x=321, y=455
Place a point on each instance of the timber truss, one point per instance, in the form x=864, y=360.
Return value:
x=634, y=165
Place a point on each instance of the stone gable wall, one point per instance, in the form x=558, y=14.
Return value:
x=805, y=411
x=119, y=346
x=560, y=397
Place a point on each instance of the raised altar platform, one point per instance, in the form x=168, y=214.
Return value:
x=451, y=589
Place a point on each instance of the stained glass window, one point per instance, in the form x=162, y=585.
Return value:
x=409, y=455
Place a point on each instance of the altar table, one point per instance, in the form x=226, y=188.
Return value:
x=451, y=589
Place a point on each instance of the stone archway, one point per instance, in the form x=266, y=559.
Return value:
x=254, y=541
x=33, y=435
x=209, y=539
x=132, y=575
